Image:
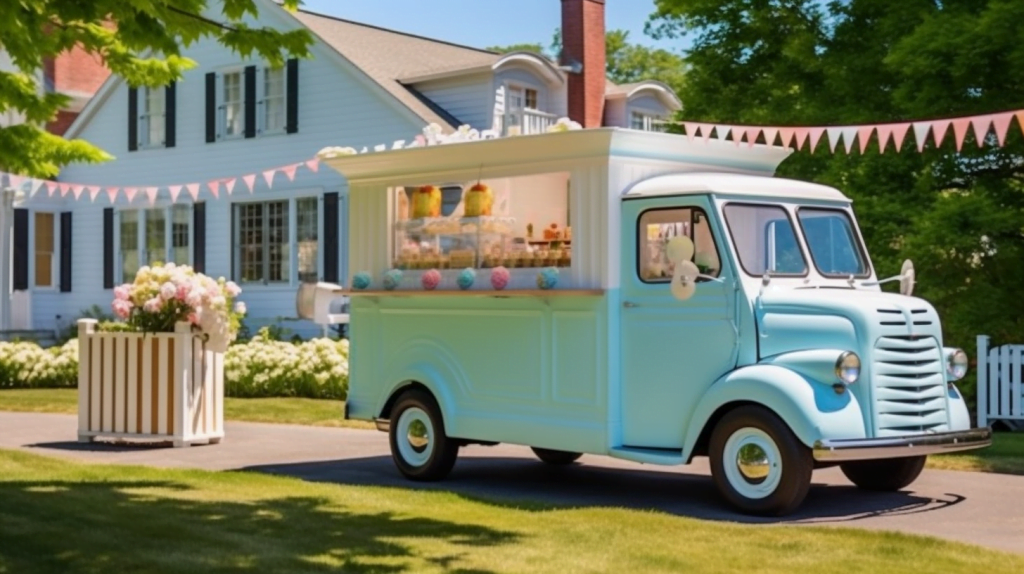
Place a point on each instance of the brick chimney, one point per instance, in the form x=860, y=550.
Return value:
x=583, y=34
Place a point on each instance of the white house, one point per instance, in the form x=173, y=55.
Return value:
x=363, y=86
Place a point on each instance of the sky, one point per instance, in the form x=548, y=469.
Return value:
x=483, y=23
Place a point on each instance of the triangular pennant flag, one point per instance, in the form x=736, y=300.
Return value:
x=722, y=131
x=884, y=131
x=864, y=135
x=960, y=126
x=705, y=131
x=921, y=133
x=849, y=133
x=690, y=127
x=249, y=180
x=130, y=192
x=112, y=194
x=175, y=191
x=939, y=128
x=981, y=125
x=833, y=137
x=1020, y=120
x=800, y=136
x=313, y=164
x=769, y=136
x=752, y=134
x=151, y=194
x=289, y=170
x=51, y=186
x=193, y=190
x=77, y=190
x=229, y=184
x=815, y=135
x=1001, y=123
x=36, y=184
x=94, y=190
x=269, y=176
x=899, y=134
x=787, y=136
x=64, y=189
x=214, y=186
x=16, y=181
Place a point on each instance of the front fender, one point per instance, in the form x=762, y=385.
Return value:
x=811, y=409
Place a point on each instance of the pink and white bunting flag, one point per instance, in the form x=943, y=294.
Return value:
x=981, y=125
x=77, y=190
x=690, y=127
x=769, y=135
x=313, y=164
x=899, y=134
x=849, y=133
x=51, y=187
x=112, y=193
x=151, y=193
x=269, y=177
x=1001, y=123
x=289, y=170
x=64, y=189
x=214, y=186
x=884, y=132
x=833, y=137
x=960, y=126
x=864, y=136
x=193, y=190
x=36, y=184
x=229, y=184
x=130, y=192
x=815, y=135
x=175, y=192
x=921, y=134
x=250, y=181
x=94, y=190
x=787, y=136
x=721, y=131
x=939, y=129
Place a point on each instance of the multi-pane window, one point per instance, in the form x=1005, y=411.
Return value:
x=530, y=97
x=265, y=234
x=233, y=105
x=44, y=249
x=273, y=99
x=646, y=122
x=152, y=236
x=153, y=124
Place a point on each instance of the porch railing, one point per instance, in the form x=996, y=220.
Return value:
x=527, y=122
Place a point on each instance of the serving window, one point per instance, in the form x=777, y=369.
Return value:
x=658, y=226
x=516, y=222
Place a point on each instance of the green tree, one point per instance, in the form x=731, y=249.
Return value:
x=140, y=41
x=626, y=62
x=959, y=216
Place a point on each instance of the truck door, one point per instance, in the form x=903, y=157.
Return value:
x=672, y=350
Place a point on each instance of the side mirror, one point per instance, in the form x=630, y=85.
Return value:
x=907, y=278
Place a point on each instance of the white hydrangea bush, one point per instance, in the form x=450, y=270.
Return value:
x=26, y=364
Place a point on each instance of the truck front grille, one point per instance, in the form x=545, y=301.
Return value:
x=909, y=386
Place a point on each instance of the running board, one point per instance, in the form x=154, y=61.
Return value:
x=662, y=456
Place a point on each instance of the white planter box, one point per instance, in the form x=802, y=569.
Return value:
x=149, y=385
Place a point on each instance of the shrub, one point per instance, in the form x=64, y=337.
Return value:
x=28, y=365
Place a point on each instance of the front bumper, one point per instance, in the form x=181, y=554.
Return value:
x=899, y=447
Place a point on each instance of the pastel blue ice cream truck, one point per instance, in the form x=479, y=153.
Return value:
x=642, y=296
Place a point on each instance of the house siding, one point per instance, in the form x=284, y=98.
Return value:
x=469, y=99
x=335, y=108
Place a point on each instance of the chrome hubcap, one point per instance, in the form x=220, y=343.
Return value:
x=413, y=436
x=753, y=463
x=418, y=436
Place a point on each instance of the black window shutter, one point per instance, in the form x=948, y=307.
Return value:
x=20, y=280
x=170, y=114
x=250, y=101
x=133, y=119
x=65, y=251
x=211, y=107
x=330, y=242
x=199, y=232
x=108, y=247
x=292, y=96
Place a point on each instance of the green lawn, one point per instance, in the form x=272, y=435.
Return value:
x=60, y=516
x=285, y=411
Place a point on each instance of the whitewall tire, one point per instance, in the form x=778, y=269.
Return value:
x=419, y=446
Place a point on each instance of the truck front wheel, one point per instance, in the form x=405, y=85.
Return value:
x=887, y=475
x=419, y=447
x=757, y=463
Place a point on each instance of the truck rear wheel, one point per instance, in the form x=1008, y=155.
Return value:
x=557, y=457
x=886, y=475
x=419, y=447
x=757, y=463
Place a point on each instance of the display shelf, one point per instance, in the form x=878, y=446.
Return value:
x=477, y=293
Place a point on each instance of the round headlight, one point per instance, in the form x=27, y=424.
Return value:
x=848, y=367
x=956, y=364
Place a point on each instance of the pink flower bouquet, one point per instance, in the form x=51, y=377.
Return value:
x=163, y=295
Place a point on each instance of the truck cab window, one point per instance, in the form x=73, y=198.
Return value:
x=657, y=226
x=832, y=242
x=765, y=239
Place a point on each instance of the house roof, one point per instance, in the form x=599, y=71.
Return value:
x=386, y=56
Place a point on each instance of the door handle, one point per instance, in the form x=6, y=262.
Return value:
x=629, y=304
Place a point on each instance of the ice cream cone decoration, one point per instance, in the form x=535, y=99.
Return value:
x=426, y=202
x=479, y=201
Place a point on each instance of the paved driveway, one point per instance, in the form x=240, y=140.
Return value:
x=985, y=509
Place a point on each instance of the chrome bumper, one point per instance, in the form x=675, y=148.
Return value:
x=899, y=447
x=383, y=425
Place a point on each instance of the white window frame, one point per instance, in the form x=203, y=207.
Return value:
x=168, y=209
x=222, y=104
x=146, y=118
x=54, y=257
x=261, y=101
x=292, y=197
x=649, y=118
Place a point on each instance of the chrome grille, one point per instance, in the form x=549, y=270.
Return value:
x=909, y=386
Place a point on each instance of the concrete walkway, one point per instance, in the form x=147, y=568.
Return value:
x=985, y=509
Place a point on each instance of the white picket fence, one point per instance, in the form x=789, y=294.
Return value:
x=1000, y=389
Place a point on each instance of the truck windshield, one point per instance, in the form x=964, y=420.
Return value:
x=765, y=239
x=833, y=244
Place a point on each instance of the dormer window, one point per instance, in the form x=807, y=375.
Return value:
x=647, y=122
